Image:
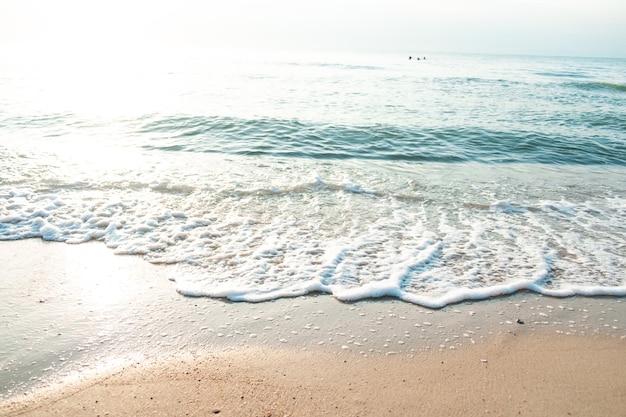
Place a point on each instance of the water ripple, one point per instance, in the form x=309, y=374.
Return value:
x=293, y=138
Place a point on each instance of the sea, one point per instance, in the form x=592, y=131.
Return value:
x=264, y=175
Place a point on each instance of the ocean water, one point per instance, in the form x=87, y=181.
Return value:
x=269, y=175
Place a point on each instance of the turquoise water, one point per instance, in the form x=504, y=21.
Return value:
x=264, y=176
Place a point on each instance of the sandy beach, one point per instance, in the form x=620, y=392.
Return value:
x=85, y=332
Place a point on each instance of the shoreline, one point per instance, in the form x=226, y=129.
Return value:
x=125, y=335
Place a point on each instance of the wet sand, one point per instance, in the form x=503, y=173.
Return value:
x=89, y=333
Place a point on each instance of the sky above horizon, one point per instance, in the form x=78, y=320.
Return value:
x=533, y=27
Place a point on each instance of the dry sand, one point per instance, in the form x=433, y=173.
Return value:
x=520, y=374
x=117, y=346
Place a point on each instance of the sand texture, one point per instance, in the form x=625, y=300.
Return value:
x=84, y=335
x=508, y=375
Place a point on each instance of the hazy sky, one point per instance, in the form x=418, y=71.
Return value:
x=543, y=27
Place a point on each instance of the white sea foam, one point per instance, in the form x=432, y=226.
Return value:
x=252, y=241
x=338, y=192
